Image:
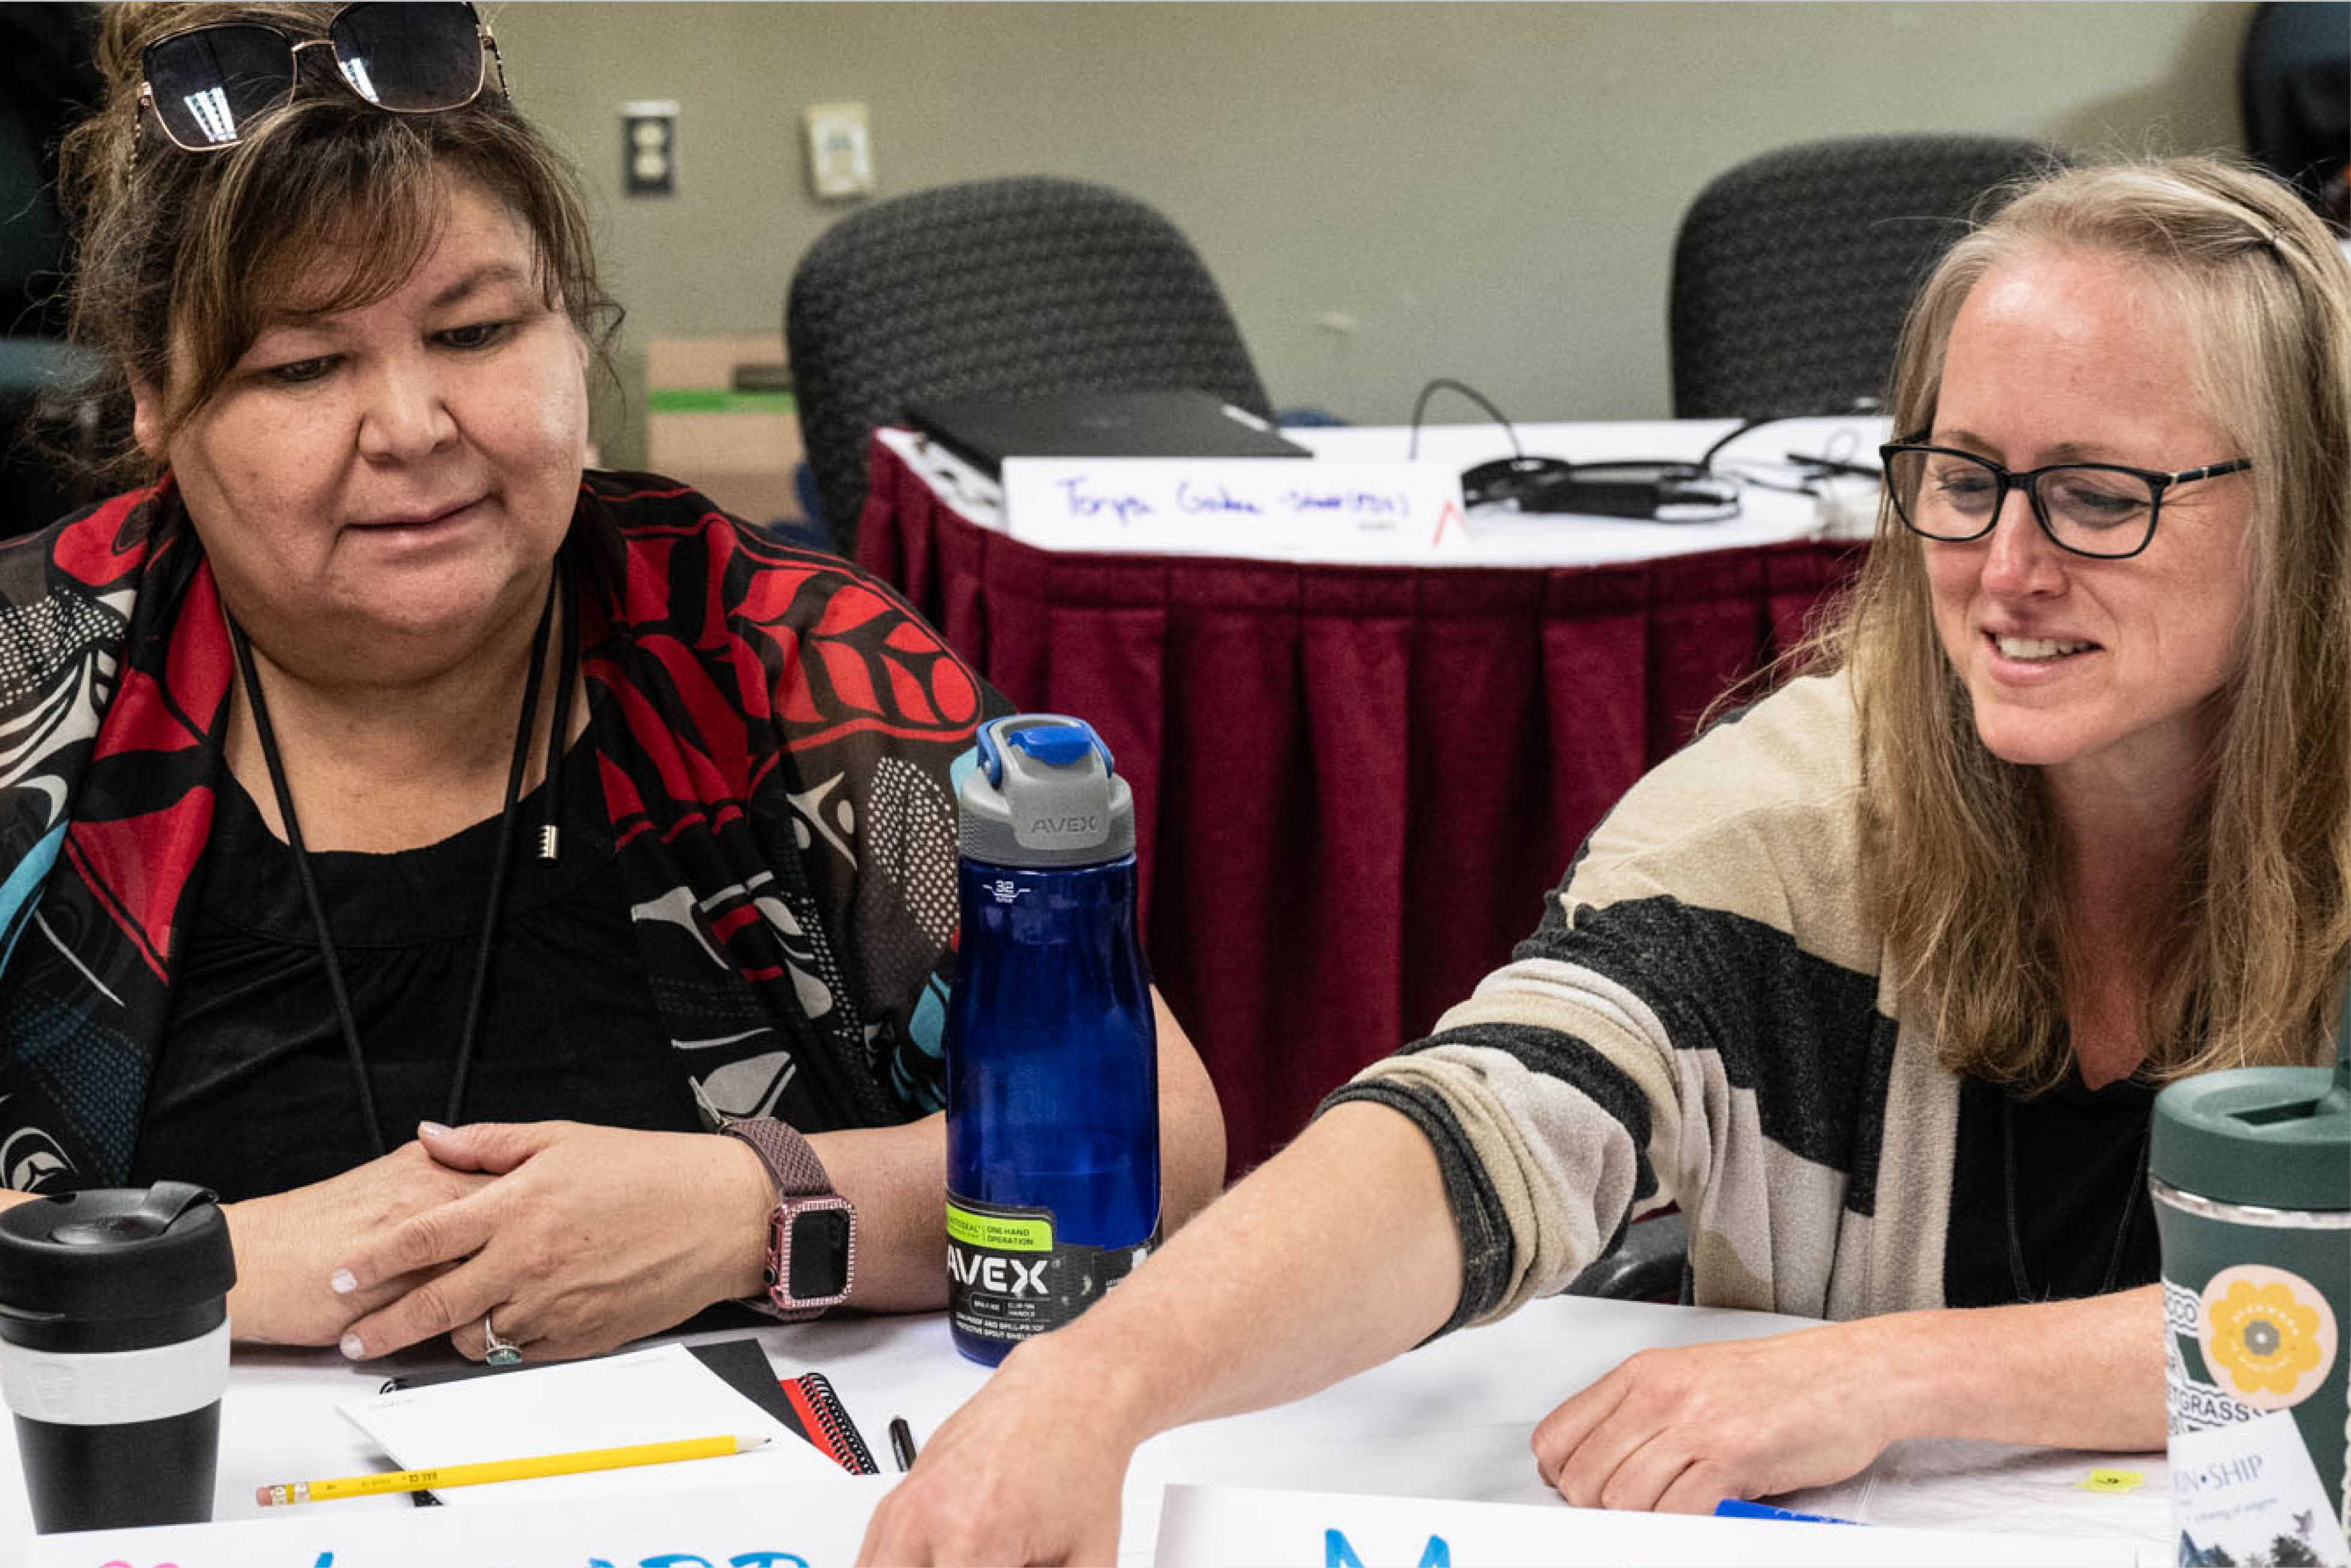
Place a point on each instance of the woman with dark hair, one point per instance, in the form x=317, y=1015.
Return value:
x=1878, y=982
x=370, y=767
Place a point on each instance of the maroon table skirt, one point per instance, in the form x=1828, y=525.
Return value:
x=1354, y=786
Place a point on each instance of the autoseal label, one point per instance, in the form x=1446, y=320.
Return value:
x=1009, y=1278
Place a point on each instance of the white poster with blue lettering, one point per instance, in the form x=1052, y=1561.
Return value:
x=1257, y=508
x=1214, y=1527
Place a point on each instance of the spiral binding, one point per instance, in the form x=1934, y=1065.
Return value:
x=839, y=1434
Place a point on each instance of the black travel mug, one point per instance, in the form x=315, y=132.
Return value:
x=114, y=1353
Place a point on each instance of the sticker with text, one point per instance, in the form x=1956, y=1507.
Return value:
x=2268, y=1335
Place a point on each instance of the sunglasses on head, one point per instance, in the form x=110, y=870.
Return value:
x=204, y=85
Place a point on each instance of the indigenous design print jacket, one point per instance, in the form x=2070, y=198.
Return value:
x=778, y=736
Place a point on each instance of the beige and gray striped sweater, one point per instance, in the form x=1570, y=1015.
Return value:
x=1704, y=1017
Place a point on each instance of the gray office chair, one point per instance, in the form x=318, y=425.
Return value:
x=1793, y=270
x=2294, y=90
x=1651, y=1264
x=1020, y=286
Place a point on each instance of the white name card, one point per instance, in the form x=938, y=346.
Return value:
x=815, y=1526
x=1213, y=1527
x=2250, y=1490
x=1262, y=508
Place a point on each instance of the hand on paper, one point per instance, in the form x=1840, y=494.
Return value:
x=1017, y=1476
x=589, y=1237
x=288, y=1244
x=1677, y=1430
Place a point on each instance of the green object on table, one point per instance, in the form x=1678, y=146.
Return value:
x=2251, y=1171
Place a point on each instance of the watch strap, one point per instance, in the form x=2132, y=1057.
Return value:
x=791, y=1162
x=800, y=1175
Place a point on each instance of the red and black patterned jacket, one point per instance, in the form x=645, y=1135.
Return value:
x=776, y=734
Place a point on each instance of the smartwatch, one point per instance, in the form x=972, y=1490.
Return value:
x=812, y=1234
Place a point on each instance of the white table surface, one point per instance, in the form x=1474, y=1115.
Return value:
x=1449, y=1420
x=1500, y=536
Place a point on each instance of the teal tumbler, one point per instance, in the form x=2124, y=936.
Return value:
x=2251, y=1172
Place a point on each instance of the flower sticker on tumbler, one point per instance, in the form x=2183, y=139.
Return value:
x=2268, y=1335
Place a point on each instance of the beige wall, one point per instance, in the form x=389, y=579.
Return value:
x=1489, y=191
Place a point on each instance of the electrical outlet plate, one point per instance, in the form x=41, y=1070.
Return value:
x=839, y=150
x=649, y=147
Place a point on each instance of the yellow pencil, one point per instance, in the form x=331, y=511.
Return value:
x=506, y=1470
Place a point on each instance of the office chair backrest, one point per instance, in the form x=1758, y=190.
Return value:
x=1793, y=270
x=1020, y=286
x=2293, y=89
x=48, y=78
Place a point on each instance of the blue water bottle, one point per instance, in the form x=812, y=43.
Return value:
x=1052, y=1055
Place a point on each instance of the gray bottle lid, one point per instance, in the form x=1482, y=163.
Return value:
x=1045, y=794
x=2279, y=1138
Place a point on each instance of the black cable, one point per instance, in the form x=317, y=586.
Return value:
x=1858, y=408
x=1447, y=383
x=1517, y=476
x=1706, y=459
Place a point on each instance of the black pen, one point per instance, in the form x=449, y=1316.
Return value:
x=902, y=1442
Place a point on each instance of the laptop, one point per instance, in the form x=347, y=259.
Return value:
x=1176, y=423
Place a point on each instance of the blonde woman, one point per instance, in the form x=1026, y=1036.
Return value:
x=1877, y=981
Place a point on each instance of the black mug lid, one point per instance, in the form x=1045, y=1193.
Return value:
x=114, y=1252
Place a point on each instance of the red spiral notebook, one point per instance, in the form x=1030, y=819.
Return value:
x=806, y=1404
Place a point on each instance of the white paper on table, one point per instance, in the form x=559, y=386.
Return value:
x=2248, y=1486
x=645, y=1397
x=1211, y=1527
x=820, y=1526
x=1261, y=508
x=1949, y=1483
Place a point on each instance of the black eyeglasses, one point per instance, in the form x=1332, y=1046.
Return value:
x=2100, y=509
x=204, y=84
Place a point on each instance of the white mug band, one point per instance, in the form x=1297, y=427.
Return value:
x=114, y=1387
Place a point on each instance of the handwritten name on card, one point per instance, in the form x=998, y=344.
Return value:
x=1253, y=507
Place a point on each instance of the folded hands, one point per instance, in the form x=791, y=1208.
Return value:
x=572, y=1238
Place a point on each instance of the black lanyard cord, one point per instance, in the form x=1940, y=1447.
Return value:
x=344, y=1015
x=558, y=737
x=515, y=770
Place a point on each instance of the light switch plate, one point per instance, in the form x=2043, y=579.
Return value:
x=839, y=150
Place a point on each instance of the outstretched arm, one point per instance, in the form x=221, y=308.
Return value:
x=1337, y=1254
x=1340, y=1253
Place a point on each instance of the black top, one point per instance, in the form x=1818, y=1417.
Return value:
x=253, y=1092
x=2077, y=1155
